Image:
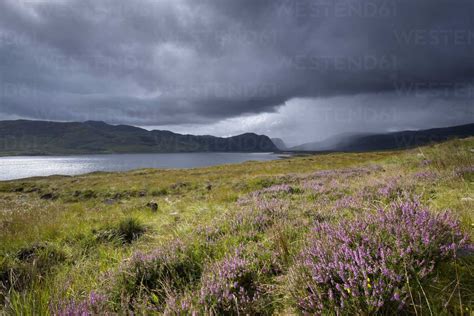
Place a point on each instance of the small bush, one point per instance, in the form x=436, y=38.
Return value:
x=370, y=265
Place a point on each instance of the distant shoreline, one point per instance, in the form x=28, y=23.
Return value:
x=3, y=155
x=23, y=167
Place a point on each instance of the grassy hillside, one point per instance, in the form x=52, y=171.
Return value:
x=361, y=233
x=23, y=137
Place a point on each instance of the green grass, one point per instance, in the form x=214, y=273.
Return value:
x=55, y=250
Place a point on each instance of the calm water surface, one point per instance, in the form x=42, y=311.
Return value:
x=24, y=167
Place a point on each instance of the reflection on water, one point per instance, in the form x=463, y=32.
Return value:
x=24, y=167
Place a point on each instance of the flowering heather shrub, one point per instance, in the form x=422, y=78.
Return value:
x=362, y=266
x=271, y=191
x=183, y=305
x=346, y=173
x=230, y=286
x=426, y=176
x=94, y=304
x=347, y=202
x=168, y=269
x=260, y=213
x=426, y=162
x=273, y=206
x=279, y=188
x=332, y=188
x=390, y=189
x=314, y=186
x=212, y=233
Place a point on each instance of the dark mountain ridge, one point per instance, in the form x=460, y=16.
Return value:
x=24, y=137
x=387, y=141
x=330, y=143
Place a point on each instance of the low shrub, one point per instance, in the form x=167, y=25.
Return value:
x=372, y=264
x=260, y=214
x=230, y=287
x=94, y=304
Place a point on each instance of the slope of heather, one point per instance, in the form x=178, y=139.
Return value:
x=354, y=233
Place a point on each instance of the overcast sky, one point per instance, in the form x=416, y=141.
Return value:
x=301, y=70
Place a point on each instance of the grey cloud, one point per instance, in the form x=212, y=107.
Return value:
x=177, y=62
x=307, y=120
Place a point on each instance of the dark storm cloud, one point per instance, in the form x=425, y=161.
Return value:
x=152, y=62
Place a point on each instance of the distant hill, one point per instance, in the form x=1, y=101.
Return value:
x=395, y=140
x=24, y=137
x=330, y=143
x=279, y=143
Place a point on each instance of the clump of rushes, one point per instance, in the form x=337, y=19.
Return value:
x=151, y=278
x=126, y=231
x=230, y=286
x=372, y=264
x=130, y=229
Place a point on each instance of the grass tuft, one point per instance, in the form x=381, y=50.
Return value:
x=126, y=231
